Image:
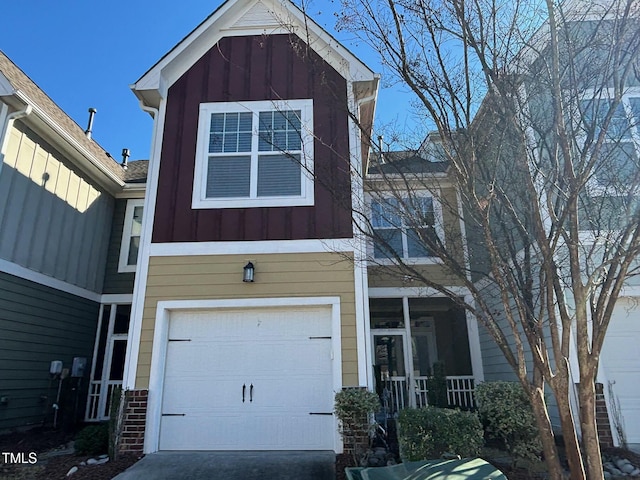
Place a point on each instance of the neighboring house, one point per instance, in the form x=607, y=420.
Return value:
x=608, y=199
x=59, y=195
x=413, y=327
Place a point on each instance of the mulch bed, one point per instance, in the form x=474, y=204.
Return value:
x=56, y=467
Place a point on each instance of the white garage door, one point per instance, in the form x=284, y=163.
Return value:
x=620, y=360
x=257, y=379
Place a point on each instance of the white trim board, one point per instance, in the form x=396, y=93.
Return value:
x=251, y=248
x=391, y=292
x=125, y=242
x=117, y=298
x=140, y=285
x=161, y=334
x=47, y=281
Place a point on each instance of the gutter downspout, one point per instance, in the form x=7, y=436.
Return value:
x=6, y=126
x=142, y=265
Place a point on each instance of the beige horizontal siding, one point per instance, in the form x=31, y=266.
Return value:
x=382, y=276
x=278, y=275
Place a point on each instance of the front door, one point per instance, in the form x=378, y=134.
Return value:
x=392, y=367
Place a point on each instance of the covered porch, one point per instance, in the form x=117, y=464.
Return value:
x=421, y=353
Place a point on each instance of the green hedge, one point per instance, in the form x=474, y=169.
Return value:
x=430, y=432
x=506, y=412
x=93, y=439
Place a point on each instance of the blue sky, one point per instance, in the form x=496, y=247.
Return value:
x=86, y=54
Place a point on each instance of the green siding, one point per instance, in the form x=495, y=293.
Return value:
x=39, y=324
x=115, y=282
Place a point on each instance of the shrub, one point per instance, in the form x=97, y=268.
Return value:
x=506, y=411
x=430, y=432
x=93, y=439
x=354, y=408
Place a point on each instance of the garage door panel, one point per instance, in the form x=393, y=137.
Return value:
x=176, y=399
x=293, y=391
x=271, y=349
x=194, y=432
x=200, y=358
x=285, y=357
x=621, y=363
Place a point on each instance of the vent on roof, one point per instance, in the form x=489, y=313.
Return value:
x=382, y=160
x=126, y=153
x=87, y=132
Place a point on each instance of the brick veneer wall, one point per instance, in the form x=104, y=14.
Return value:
x=133, y=424
x=602, y=418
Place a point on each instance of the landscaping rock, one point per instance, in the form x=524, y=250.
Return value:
x=621, y=462
x=72, y=471
x=92, y=461
x=615, y=471
x=627, y=468
x=102, y=461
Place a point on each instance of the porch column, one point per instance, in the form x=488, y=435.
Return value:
x=473, y=335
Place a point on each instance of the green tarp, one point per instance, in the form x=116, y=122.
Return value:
x=469, y=468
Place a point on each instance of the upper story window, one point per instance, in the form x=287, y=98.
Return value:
x=254, y=154
x=401, y=225
x=131, y=236
x=620, y=152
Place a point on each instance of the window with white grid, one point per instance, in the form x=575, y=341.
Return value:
x=254, y=154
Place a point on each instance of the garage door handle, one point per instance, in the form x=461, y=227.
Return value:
x=244, y=389
x=251, y=393
x=320, y=413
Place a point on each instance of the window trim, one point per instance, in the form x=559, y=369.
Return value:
x=123, y=266
x=438, y=227
x=594, y=187
x=306, y=198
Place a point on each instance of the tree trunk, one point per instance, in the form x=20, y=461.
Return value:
x=547, y=436
x=573, y=452
x=590, y=443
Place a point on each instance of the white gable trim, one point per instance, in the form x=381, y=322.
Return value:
x=256, y=17
x=47, y=281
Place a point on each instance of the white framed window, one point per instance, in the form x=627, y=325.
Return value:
x=131, y=236
x=619, y=167
x=254, y=154
x=400, y=226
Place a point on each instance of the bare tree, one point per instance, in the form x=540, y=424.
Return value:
x=537, y=136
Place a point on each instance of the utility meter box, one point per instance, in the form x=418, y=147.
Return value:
x=79, y=366
x=56, y=367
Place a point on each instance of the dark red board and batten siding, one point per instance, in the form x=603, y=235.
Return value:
x=246, y=69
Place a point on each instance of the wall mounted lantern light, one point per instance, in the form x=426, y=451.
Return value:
x=248, y=272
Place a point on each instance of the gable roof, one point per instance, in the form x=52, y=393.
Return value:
x=239, y=18
x=137, y=171
x=405, y=162
x=16, y=85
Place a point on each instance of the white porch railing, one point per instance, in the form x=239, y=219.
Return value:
x=459, y=392
x=99, y=402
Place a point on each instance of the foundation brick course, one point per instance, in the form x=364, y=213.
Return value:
x=133, y=423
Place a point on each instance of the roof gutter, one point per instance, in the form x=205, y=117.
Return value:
x=7, y=123
x=68, y=138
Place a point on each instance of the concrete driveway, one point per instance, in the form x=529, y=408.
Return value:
x=290, y=465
